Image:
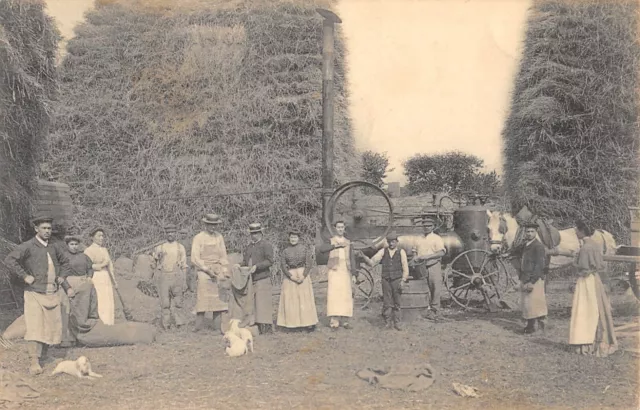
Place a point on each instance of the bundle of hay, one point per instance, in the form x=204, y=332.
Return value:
x=28, y=43
x=571, y=139
x=181, y=101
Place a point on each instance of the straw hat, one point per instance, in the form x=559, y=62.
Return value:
x=212, y=219
x=170, y=228
x=255, y=227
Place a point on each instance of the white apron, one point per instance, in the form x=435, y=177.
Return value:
x=339, y=294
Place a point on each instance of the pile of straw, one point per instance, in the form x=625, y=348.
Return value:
x=170, y=100
x=571, y=139
x=28, y=43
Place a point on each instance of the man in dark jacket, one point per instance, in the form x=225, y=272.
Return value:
x=531, y=273
x=43, y=268
x=259, y=257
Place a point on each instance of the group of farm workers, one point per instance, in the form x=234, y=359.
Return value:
x=69, y=295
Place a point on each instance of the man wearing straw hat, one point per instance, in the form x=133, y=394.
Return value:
x=43, y=268
x=171, y=259
x=209, y=258
x=259, y=256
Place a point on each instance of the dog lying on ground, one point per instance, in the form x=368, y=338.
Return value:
x=235, y=345
x=80, y=368
x=242, y=333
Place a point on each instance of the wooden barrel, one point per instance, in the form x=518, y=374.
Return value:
x=414, y=300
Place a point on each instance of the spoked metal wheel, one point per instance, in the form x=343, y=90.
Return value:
x=364, y=287
x=476, y=278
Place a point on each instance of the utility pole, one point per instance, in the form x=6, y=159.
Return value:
x=328, y=36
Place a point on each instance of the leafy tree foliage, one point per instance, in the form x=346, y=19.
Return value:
x=448, y=172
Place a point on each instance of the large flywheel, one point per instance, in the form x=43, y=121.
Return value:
x=368, y=215
x=366, y=210
x=476, y=278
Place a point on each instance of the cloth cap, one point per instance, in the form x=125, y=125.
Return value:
x=294, y=231
x=428, y=220
x=392, y=236
x=212, y=219
x=41, y=218
x=529, y=224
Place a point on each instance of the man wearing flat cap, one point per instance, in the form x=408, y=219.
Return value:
x=43, y=268
x=259, y=257
x=395, y=270
x=532, y=256
x=209, y=258
x=171, y=265
x=429, y=251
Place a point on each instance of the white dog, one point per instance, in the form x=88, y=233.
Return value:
x=235, y=345
x=80, y=368
x=242, y=333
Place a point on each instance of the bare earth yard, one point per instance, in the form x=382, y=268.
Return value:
x=317, y=370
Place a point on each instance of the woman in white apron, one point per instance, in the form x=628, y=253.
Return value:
x=103, y=279
x=209, y=258
x=591, y=329
x=339, y=292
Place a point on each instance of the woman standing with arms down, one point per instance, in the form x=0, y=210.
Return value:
x=103, y=279
x=591, y=330
x=297, y=307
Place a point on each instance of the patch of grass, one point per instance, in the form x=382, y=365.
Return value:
x=571, y=138
x=164, y=99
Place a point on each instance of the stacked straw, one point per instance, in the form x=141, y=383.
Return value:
x=181, y=99
x=571, y=139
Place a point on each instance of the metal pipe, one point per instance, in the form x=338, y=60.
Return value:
x=328, y=33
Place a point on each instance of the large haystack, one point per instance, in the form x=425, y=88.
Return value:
x=191, y=99
x=28, y=41
x=571, y=140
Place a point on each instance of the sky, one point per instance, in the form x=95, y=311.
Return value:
x=425, y=76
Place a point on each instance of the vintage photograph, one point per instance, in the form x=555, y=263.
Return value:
x=319, y=204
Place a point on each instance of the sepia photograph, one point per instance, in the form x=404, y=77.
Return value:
x=320, y=204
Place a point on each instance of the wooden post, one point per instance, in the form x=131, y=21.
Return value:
x=328, y=31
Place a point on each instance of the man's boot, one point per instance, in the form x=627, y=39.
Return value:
x=199, y=322
x=386, y=314
x=35, y=350
x=396, y=320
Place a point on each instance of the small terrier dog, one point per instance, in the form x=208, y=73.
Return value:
x=242, y=333
x=80, y=368
x=235, y=345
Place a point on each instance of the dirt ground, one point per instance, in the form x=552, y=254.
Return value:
x=318, y=370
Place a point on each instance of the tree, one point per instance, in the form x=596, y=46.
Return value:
x=375, y=167
x=448, y=172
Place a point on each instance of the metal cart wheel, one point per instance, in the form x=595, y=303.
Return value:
x=471, y=287
x=364, y=286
